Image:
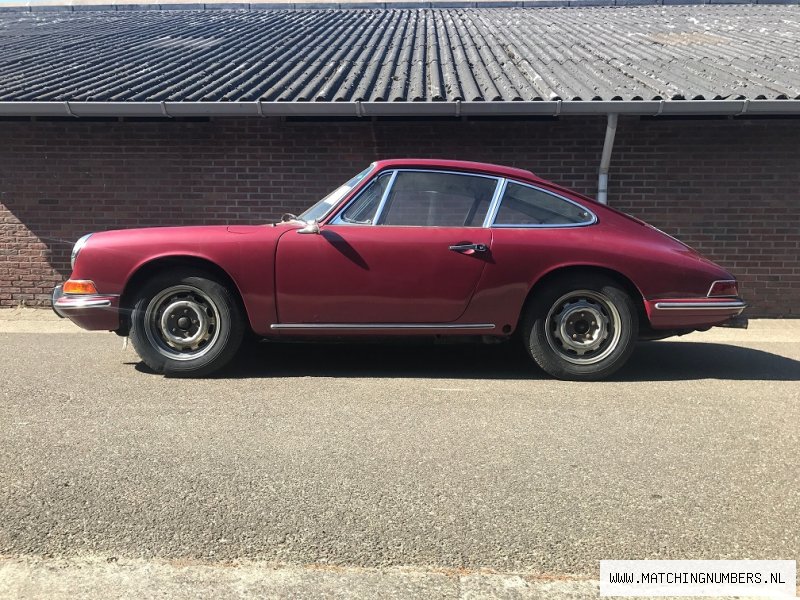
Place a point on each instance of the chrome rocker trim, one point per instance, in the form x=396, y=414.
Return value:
x=369, y=326
x=725, y=305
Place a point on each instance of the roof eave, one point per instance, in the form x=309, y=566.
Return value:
x=398, y=109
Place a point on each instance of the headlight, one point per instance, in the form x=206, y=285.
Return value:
x=76, y=249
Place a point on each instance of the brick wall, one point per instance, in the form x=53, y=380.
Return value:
x=729, y=188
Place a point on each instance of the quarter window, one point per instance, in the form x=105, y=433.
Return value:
x=362, y=210
x=522, y=205
x=434, y=199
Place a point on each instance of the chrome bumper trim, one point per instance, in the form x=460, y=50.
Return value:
x=368, y=326
x=63, y=303
x=701, y=305
x=57, y=293
x=76, y=302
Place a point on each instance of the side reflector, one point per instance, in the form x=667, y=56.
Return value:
x=79, y=286
x=723, y=288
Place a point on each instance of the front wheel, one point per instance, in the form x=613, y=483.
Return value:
x=581, y=329
x=185, y=323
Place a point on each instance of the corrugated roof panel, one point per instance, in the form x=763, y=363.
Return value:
x=408, y=55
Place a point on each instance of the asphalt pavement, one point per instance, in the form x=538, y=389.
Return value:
x=457, y=458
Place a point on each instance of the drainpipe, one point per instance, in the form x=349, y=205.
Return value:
x=605, y=160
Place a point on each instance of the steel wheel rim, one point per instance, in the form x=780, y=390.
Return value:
x=182, y=322
x=583, y=327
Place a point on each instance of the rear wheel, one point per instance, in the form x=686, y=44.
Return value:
x=186, y=323
x=581, y=328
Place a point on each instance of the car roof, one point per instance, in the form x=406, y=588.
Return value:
x=458, y=165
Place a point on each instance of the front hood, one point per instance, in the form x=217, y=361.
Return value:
x=165, y=232
x=192, y=237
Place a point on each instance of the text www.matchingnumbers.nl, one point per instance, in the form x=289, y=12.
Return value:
x=719, y=578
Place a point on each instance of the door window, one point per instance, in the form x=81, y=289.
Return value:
x=435, y=199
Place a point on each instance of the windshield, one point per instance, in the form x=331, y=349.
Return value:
x=324, y=206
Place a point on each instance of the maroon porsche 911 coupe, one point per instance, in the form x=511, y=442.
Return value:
x=405, y=248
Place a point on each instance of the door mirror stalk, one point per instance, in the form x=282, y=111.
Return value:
x=310, y=227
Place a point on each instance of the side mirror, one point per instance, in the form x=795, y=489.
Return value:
x=311, y=227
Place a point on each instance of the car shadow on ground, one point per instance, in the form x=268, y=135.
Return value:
x=651, y=361
x=677, y=361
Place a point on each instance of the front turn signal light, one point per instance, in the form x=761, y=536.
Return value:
x=79, y=286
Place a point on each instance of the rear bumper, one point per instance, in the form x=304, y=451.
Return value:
x=91, y=311
x=677, y=313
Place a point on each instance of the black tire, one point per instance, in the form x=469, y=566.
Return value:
x=186, y=323
x=581, y=328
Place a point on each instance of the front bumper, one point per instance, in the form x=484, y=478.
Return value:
x=694, y=313
x=89, y=311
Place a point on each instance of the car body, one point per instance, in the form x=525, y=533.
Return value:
x=407, y=247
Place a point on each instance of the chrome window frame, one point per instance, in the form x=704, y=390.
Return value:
x=494, y=205
x=384, y=198
x=499, y=203
x=499, y=187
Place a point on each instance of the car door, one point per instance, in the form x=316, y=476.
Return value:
x=410, y=248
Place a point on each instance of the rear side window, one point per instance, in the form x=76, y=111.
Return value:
x=434, y=199
x=523, y=205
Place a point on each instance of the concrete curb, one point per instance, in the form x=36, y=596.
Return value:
x=111, y=578
x=35, y=320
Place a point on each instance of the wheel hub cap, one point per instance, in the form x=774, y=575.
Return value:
x=182, y=322
x=583, y=327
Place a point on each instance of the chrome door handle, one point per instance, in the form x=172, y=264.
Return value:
x=469, y=248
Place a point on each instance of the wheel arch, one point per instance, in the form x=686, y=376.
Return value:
x=160, y=264
x=585, y=269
